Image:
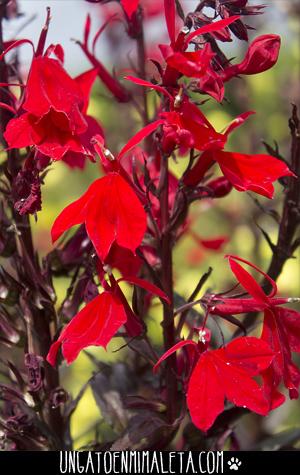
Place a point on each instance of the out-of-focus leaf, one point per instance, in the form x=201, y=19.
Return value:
x=280, y=441
x=109, y=402
x=145, y=430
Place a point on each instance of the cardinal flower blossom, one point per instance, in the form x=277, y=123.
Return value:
x=225, y=373
x=281, y=329
x=185, y=126
x=100, y=319
x=244, y=171
x=52, y=116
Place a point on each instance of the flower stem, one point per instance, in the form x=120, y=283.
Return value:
x=167, y=281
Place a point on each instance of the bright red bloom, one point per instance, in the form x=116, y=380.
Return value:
x=245, y=172
x=226, y=373
x=261, y=55
x=281, y=329
x=188, y=128
x=53, y=114
x=185, y=126
x=111, y=212
x=100, y=319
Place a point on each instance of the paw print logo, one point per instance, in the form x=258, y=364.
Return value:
x=234, y=463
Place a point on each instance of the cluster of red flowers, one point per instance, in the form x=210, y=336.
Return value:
x=121, y=211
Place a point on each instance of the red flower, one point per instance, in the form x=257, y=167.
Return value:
x=100, y=319
x=188, y=128
x=243, y=171
x=281, y=329
x=55, y=120
x=261, y=55
x=225, y=373
x=111, y=212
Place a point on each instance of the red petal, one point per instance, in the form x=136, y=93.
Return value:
x=172, y=350
x=49, y=85
x=249, y=353
x=94, y=325
x=241, y=390
x=139, y=136
x=115, y=214
x=18, y=132
x=52, y=354
x=73, y=214
x=217, y=26
x=291, y=321
x=214, y=244
x=270, y=390
x=252, y=172
x=170, y=12
x=124, y=260
x=266, y=276
x=85, y=81
x=141, y=82
x=129, y=6
x=205, y=396
x=192, y=63
x=282, y=367
x=238, y=121
x=153, y=289
x=248, y=282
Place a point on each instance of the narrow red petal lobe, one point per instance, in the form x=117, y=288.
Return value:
x=170, y=12
x=73, y=214
x=172, y=350
x=212, y=27
x=85, y=82
x=248, y=282
x=144, y=284
x=139, y=136
x=205, y=396
x=266, y=276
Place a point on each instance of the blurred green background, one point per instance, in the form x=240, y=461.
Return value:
x=270, y=95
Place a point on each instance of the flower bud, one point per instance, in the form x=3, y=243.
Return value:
x=220, y=186
x=262, y=54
